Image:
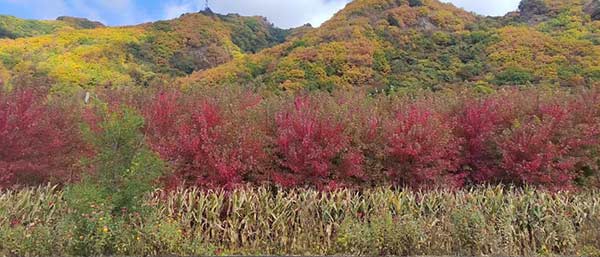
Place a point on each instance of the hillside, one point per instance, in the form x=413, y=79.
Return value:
x=382, y=45
x=13, y=27
x=143, y=55
x=394, y=44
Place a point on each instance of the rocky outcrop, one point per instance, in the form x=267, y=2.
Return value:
x=533, y=11
x=593, y=9
x=80, y=23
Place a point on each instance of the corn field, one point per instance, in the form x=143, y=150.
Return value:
x=382, y=221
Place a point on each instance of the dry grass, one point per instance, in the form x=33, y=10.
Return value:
x=485, y=221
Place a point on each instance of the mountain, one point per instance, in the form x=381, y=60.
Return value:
x=380, y=45
x=396, y=44
x=13, y=27
x=89, y=55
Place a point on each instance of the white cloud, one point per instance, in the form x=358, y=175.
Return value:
x=487, y=7
x=283, y=13
x=174, y=9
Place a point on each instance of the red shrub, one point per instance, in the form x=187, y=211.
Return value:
x=37, y=142
x=422, y=150
x=546, y=149
x=480, y=122
x=311, y=146
x=207, y=145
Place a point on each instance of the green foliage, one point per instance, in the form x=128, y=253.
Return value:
x=387, y=235
x=514, y=76
x=124, y=171
x=13, y=27
x=80, y=23
x=415, y=3
x=124, y=168
x=71, y=58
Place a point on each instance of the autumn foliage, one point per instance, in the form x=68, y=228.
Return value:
x=209, y=143
x=518, y=137
x=312, y=146
x=226, y=138
x=39, y=142
x=421, y=147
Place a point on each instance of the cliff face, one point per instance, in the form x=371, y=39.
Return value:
x=533, y=11
x=593, y=9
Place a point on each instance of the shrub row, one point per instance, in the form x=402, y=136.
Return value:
x=224, y=137
x=544, y=138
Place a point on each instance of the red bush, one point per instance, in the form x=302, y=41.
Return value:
x=546, y=149
x=311, y=146
x=480, y=122
x=38, y=142
x=422, y=150
x=207, y=145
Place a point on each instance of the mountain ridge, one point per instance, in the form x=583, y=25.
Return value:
x=381, y=45
x=145, y=54
x=395, y=44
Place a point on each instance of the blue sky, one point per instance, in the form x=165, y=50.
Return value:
x=283, y=13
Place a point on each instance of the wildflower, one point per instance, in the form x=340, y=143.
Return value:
x=105, y=229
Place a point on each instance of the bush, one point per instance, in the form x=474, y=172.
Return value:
x=514, y=76
x=481, y=121
x=39, y=143
x=312, y=147
x=123, y=168
x=209, y=141
x=123, y=171
x=421, y=148
x=546, y=149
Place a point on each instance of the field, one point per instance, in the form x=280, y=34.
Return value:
x=381, y=221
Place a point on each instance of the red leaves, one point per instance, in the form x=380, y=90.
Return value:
x=421, y=147
x=308, y=142
x=207, y=145
x=479, y=123
x=547, y=148
x=37, y=141
x=516, y=137
x=226, y=138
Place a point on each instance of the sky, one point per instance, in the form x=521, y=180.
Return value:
x=283, y=13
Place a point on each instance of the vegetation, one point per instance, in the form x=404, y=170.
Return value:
x=382, y=45
x=226, y=138
x=398, y=127
x=486, y=221
x=393, y=45
x=13, y=27
x=143, y=55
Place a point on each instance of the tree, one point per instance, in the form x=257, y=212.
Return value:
x=38, y=142
x=123, y=168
